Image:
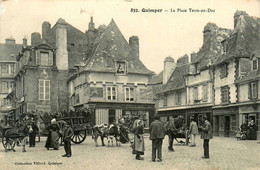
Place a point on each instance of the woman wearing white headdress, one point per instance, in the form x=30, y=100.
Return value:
x=53, y=136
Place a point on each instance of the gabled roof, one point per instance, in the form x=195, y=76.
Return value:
x=245, y=38
x=9, y=52
x=110, y=47
x=177, y=79
x=211, y=48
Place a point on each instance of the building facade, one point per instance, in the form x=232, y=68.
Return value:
x=113, y=82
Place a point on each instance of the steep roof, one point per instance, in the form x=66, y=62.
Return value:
x=156, y=79
x=245, y=38
x=9, y=52
x=177, y=80
x=111, y=46
x=211, y=48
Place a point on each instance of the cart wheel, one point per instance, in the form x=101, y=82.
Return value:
x=79, y=136
x=8, y=147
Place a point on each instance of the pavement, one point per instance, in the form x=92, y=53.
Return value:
x=225, y=153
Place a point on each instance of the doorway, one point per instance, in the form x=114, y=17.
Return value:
x=112, y=116
x=227, y=126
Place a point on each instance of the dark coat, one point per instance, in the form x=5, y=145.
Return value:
x=68, y=133
x=157, y=130
x=206, y=131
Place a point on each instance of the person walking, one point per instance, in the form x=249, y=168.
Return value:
x=138, y=130
x=193, y=131
x=157, y=132
x=206, y=135
x=67, y=134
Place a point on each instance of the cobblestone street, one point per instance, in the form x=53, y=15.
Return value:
x=225, y=153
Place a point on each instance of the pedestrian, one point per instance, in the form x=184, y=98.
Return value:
x=32, y=134
x=157, y=132
x=252, y=130
x=171, y=130
x=206, y=135
x=193, y=131
x=138, y=130
x=25, y=131
x=53, y=136
x=67, y=134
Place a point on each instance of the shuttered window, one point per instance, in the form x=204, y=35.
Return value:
x=205, y=92
x=253, y=90
x=225, y=95
x=44, y=58
x=44, y=89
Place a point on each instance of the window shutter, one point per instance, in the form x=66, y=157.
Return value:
x=50, y=58
x=38, y=55
x=256, y=84
x=249, y=91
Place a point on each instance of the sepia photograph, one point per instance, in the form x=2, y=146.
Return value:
x=130, y=84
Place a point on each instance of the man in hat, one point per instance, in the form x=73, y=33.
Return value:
x=157, y=132
x=32, y=133
x=67, y=134
x=206, y=135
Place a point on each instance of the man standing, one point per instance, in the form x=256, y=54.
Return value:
x=67, y=134
x=206, y=135
x=32, y=134
x=170, y=130
x=157, y=132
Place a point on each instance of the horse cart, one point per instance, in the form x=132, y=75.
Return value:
x=80, y=123
x=10, y=137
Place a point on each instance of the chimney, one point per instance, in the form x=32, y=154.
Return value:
x=237, y=15
x=91, y=24
x=35, y=38
x=46, y=26
x=24, y=41
x=193, y=57
x=169, y=66
x=10, y=41
x=134, y=44
x=61, y=45
x=207, y=30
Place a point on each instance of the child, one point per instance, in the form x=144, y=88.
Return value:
x=238, y=134
x=67, y=134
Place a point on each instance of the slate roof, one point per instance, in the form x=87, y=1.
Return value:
x=9, y=52
x=157, y=79
x=109, y=47
x=177, y=79
x=245, y=38
x=211, y=48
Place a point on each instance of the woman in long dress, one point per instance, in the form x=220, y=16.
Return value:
x=53, y=136
x=138, y=129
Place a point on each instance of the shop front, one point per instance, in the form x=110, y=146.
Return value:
x=225, y=121
x=248, y=113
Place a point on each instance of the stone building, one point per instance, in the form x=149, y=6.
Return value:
x=113, y=81
x=8, y=52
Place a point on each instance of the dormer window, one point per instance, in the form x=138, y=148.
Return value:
x=44, y=58
x=224, y=70
x=254, y=64
x=121, y=67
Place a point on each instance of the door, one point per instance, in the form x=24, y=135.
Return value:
x=227, y=126
x=112, y=116
x=216, y=125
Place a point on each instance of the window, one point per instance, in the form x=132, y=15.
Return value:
x=205, y=92
x=254, y=65
x=129, y=94
x=178, y=98
x=76, y=98
x=44, y=89
x=44, y=58
x=165, y=100
x=225, y=95
x=252, y=90
x=111, y=93
x=223, y=70
x=121, y=67
x=195, y=93
x=224, y=46
x=4, y=86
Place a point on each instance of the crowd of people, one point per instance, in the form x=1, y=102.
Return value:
x=247, y=131
x=158, y=130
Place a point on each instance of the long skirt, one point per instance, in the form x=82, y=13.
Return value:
x=138, y=145
x=52, y=140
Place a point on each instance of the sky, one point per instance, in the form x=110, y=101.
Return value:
x=161, y=34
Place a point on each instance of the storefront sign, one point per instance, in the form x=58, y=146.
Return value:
x=223, y=111
x=247, y=109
